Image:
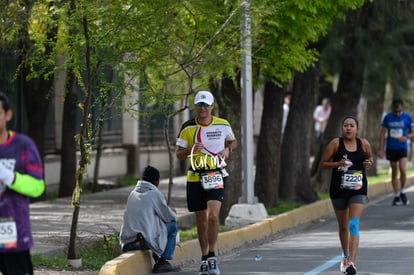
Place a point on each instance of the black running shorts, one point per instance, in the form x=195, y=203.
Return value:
x=16, y=263
x=197, y=197
x=343, y=203
x=396, y=155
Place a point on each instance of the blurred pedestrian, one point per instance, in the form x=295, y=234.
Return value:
x=21, y=178
x=320, y=118
x=286, y=107
x=349, y=157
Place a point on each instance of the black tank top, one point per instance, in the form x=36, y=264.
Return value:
x=357, y=157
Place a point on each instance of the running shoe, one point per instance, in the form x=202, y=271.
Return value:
x=396, y=201
x=203, y=268
x=351, y=269
x=404, y=199
x=344, y=264
x=212, y=266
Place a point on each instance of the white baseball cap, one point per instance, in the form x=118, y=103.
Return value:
x=204, y=96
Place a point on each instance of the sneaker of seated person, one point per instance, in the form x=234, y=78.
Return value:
x=164, y=266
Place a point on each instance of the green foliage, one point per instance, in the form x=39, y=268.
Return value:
x=188, y=43
x=12, y=17
x=284, y=41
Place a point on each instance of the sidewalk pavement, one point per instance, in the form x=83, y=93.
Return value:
x=100, y=214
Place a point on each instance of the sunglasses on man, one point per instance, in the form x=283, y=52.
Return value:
x=202, y=104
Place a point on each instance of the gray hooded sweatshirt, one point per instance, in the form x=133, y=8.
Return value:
x=146, y=213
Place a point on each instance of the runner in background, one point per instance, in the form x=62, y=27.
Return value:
x=397, y=124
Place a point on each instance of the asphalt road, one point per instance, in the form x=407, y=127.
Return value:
x=386, y=246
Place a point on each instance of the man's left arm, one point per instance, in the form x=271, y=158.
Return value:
x=232, y=145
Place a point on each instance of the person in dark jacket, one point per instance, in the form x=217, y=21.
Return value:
x=149, y=223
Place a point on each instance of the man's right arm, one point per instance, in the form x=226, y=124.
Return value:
x=182, y=152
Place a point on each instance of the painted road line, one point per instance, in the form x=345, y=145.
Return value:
x=325, y=266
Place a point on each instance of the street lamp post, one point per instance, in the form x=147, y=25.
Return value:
x=247, y=210
x=247, y=108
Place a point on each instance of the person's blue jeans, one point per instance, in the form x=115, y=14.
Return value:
x=172, y=230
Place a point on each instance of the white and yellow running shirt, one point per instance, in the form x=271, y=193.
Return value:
x=212, y=136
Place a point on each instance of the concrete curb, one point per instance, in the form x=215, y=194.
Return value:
x=140, y=262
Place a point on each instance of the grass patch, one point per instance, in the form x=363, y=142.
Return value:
x=127, y=181
x=191, y=234
x=384, y=174
x=188, y=234
x=283, y=207
x=323, y=196
x=93, y=256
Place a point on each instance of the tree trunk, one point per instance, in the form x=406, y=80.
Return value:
x=37, y=90
x=84, y=141
x=372, y=125
x=170, y=157
x=98, y=142
x=227, y=96
x=378, y=71
x=37, y=102
x=266, y=181
x=73, y=233
x=350, y=86
x=295, y=183
x=68, y=155
x=374, y=93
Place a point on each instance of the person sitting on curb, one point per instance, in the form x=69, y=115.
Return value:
x=149, y=223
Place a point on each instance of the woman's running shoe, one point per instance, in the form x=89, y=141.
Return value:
x=344, y=264
x=351, y=269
